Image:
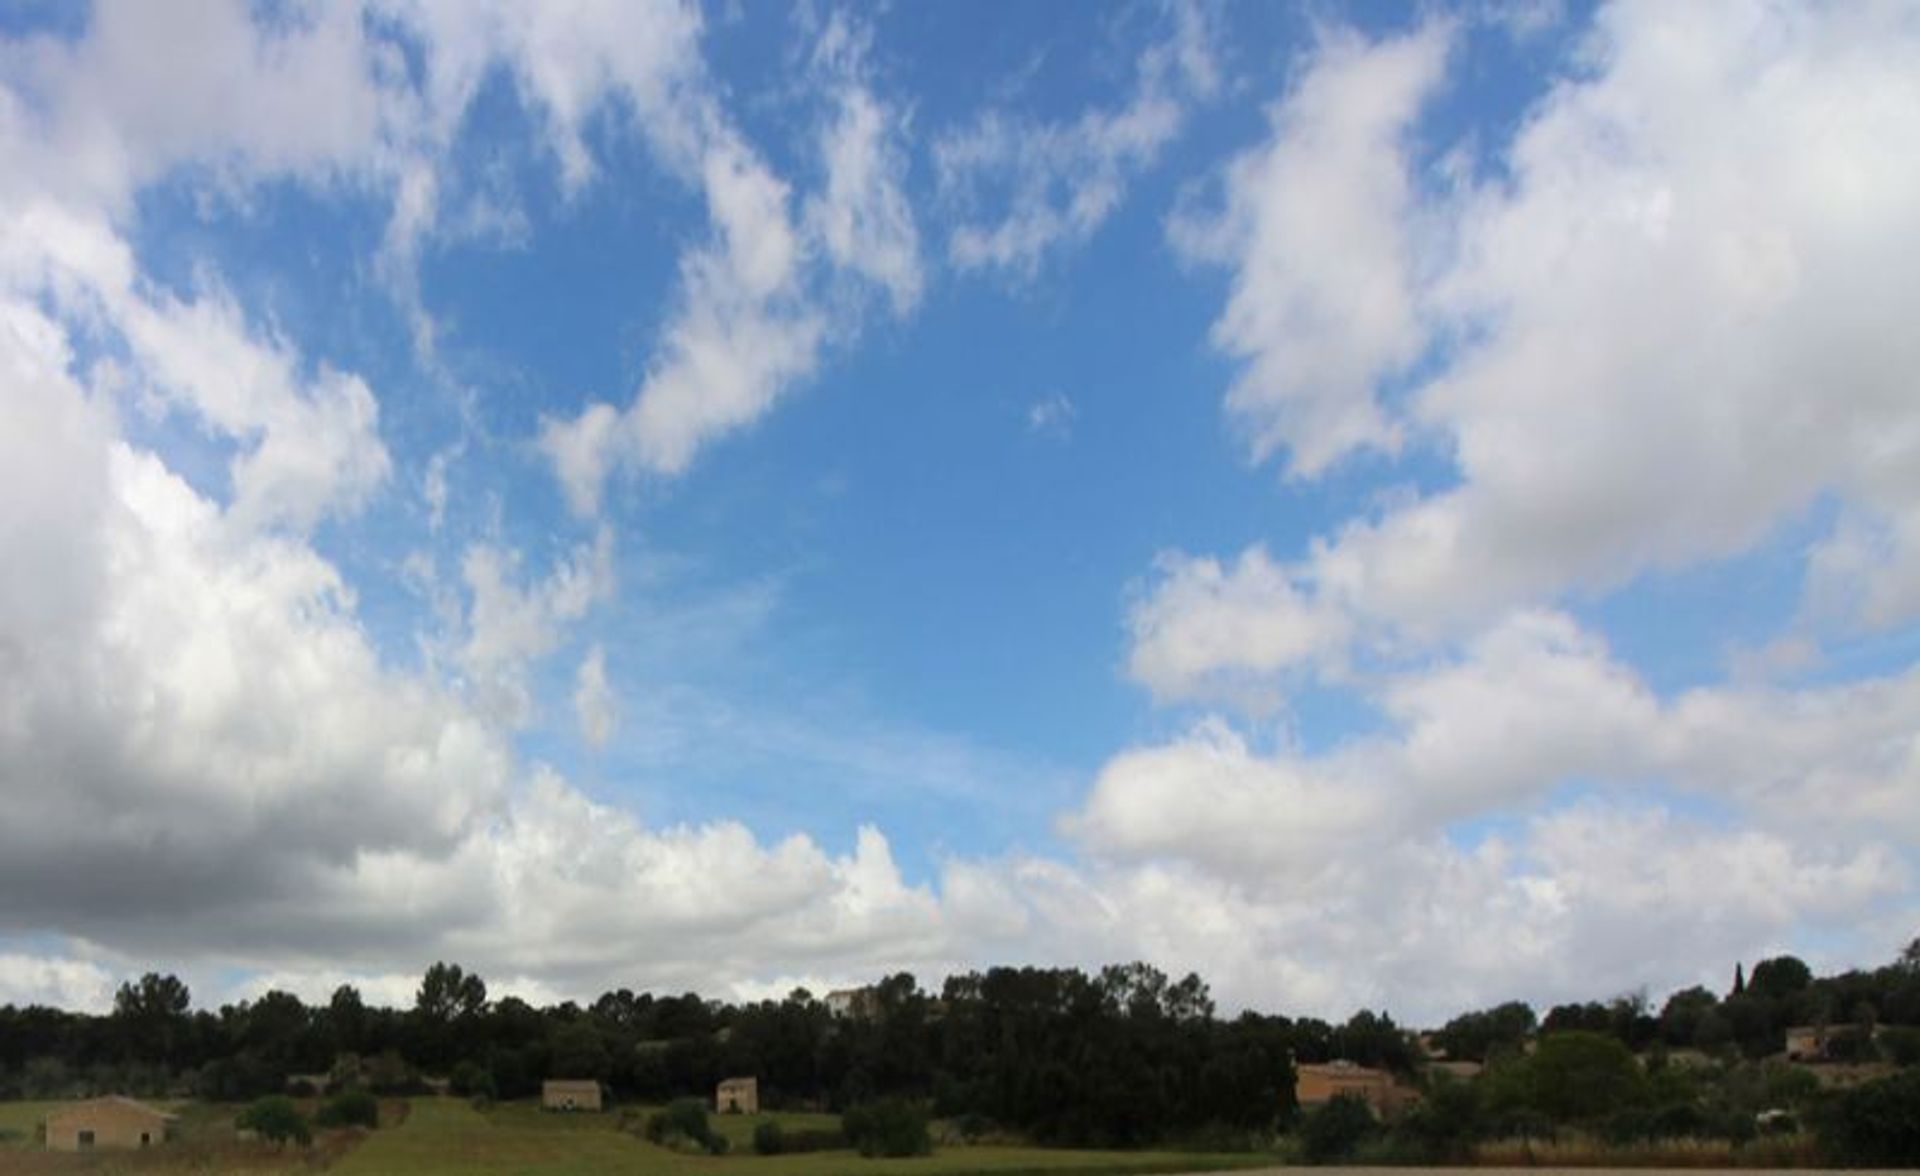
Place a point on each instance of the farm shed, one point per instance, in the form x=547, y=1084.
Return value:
x=107, y=1122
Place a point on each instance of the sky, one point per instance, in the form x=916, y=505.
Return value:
x=1389, y=506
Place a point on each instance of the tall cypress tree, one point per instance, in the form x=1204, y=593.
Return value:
x=1739, y=979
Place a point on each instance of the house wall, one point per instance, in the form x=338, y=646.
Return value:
x=570, y=1096
x=1316, y=1085
x=738, y=1094
x=114, y=1125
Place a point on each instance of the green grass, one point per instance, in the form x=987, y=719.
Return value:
x=445, y=1137
x=20, y=1121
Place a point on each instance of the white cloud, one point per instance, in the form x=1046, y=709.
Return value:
x=508, y=627
x=757, y=305
x=1315, y=225
x=593, y=699
x=60, y=982
x=1664, y=339
x=862, y=217
x=1052, y=416
x=304, y=448
x=1053, y=184
x=1204, y=630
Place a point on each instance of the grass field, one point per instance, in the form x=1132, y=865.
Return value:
x=20, y=1120
x=444, y=1137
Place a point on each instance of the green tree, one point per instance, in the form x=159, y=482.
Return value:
x=1876, y=1124
x=1334, y=1131
x=889, y=1127
x=447, y=994
x=1577, y=1077
x=151, y=1017
x=275, y=1119
x=351, y=1108
x=1779, y=977
x=1684, y=1013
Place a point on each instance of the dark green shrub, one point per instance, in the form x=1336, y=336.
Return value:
x=275, y=1119
x=1333, y=1132
x=889, y=1127
x=683, y=1126
x=351, y=1108
x=1901, y=1044
x=768, y=1139
x=1443, y=1127
x=470, y=1079
x=1876, y=1124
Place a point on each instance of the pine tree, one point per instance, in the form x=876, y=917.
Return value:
x=1739, y=979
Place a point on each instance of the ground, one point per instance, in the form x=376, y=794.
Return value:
x=444, y=1137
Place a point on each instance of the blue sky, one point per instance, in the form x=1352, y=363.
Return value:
x=1028, y=482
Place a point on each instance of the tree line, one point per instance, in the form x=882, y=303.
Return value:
x=1122, y=1056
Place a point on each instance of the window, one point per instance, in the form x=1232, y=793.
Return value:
x=143, y=1139
x=86, y=1139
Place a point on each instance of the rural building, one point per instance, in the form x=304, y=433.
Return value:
x=737, y=1096
x=567, y=1094
x=107, y=1122
x=1463, y=1071
x=850, y=1002
x=1806, y=1043
x=1317, y=1085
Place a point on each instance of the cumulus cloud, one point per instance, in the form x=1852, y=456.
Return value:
x=1315, y=225
x=1663, y=337
x=1028, y=188
x=509, y=625
x=594, y=703
x=60, y=982
x=764, y=294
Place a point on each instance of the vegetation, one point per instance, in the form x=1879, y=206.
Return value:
x=683, y=1126
x=349, y=1108
x=889, y=1127
x=276, y=1120
x=1876, y=1125
x=1335, y=1131
x=1125, y=1057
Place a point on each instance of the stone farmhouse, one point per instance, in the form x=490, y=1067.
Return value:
x=737, y=1096
x=107, y=1122
x=567, y=1094
x=1319, y=1084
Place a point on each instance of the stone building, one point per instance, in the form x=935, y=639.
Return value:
x=737, y=1096
x=107, y=1122
x=566, y=1094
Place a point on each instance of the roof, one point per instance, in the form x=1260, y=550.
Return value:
x=1337, y=1066
x=738, y=1081
x=115, y=1100
x=563, y=1084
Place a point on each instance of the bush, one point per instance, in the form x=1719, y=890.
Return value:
x=470, y=1079
x=1901, y=1045
x=275, y=1119
x=683, y=1126
x=1335, y=1131
x=890, y=1127
x=351, y=1108
x=768, y=1139
x=1876, y=1124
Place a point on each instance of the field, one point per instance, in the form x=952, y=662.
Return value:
x=205, y=1143
x=444, y=1137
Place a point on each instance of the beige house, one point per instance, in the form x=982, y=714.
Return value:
x=850, y=1002
x=1319, y=1084
x=107, y=1122
x=570, y=1094
x=737, y=1096
x=1806, y=1043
